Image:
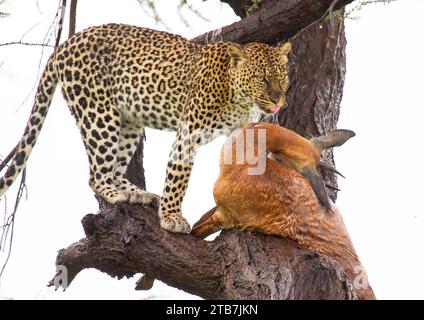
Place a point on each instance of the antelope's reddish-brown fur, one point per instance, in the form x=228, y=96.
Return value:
x=281, y=201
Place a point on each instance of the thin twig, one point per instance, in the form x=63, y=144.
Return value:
x=11, y=225
x=62, y=9
x=194, y=10
x=35, y=25
x=327, y=12
x=361, y=4
x=5, y=222
x=12, y=43
x=46, y=40
x=3, y=163
x=7, y=233
x=38, y=7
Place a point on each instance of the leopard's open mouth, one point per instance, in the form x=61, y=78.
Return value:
x=269, y=108
x=272, y=108
x=275, y=108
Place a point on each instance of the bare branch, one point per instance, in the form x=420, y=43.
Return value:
x=46, y=40
x=12, y=43
x=281, y=20
x=62, y=9
x=150, y=9
x=189, y=6
x=3, y=14
x=362, y=3
x=72, y=17
x=124, y=240
x=3, y=163
x=327, y=12
x=9, y=224
x=8, y=227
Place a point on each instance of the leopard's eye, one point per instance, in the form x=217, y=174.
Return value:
x=260, y=76
x=279, y=74
x=282, y=78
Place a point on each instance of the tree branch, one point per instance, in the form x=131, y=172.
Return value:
x=62, y=9
x=280, y=19
x=72, y=17
x=25, y=44
x=127, y=239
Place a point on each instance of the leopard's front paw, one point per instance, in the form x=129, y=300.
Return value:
x=137, y=196
x=148, y=198
x=174, y=222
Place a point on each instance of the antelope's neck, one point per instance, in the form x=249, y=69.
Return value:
x=327, y=234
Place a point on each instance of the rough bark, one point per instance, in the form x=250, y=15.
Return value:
x=316, y=71
x=277, y=20
x=125, y=240
x=135, y=170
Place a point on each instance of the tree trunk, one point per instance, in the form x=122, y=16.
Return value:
x=123, y=240
x=316, y=71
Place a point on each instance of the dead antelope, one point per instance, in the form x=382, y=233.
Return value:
x=287, y=199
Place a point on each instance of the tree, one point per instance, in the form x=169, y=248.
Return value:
x=126, y=239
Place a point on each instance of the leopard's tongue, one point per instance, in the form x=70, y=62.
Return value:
x=275, y=108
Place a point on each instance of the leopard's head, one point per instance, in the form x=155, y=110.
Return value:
x=259, y=72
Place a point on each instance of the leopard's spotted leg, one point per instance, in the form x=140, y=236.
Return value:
x=102, y=148
x=178, y=173
x=101, y=133
x=128, y=141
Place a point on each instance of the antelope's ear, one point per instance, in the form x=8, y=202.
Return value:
x=285, y=49
x=335, y=138
x=237, y=55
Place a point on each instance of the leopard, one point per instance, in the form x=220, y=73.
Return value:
x=119, y=79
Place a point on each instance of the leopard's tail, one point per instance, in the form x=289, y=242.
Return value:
x=43, y=97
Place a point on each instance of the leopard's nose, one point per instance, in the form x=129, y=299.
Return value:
x=274, y=91
x=275, y=96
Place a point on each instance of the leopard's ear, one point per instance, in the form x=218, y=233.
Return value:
x=284, y=50
x=237, y=55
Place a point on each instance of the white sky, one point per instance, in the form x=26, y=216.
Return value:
x=380, y=199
